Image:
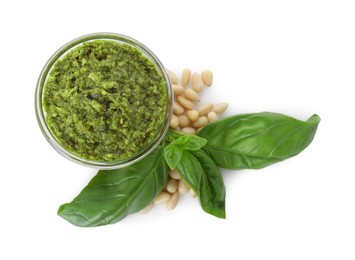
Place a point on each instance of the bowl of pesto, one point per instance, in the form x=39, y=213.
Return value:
x=104, y=100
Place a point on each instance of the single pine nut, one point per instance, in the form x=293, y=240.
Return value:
x=185, y=102
x=189, y=130
x=220, y=108
x=162, y=197
x=192, y=114
x=182, y=187
x=192, y=193
x=178, y=129
x=172, y=185
x=173, y=77
x=201, y=122
x=177, y=89
x=207, y=77
x=185, y=77
x=184, y=121
x=172, y=202
x=178, y=109
x=175, y=174
x=192, y=95
x=174, y=122
x=197, y=82
x=147, y=208
x=204, y=109
x=212, y=116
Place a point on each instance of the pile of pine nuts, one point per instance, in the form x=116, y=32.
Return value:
x=188, y=118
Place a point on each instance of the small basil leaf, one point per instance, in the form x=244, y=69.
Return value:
x=202, y=175
x=173, y=134
x=254, y=141
x=172, y=155
x=190, y=142
x=112, y=195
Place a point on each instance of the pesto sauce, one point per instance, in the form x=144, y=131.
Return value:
x=104, y=101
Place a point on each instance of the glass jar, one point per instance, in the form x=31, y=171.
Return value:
x=41, y=114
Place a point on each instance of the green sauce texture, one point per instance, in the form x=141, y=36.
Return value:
x=104, y=101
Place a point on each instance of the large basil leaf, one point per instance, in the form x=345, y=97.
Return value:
x=254, y=141
x=202, y=175
x=112, y=195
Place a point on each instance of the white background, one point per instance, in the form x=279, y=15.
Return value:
x=292, y=57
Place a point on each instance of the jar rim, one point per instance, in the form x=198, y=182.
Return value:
x=40, y=113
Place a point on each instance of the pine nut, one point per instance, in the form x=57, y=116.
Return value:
x=189, y=130
x=212, y=116
x=178, y=109
x=204, y=109
x=162, y=197
x=220, y=108
x=201, y=122
x=172, y=185
x=192, y=114
x=192, y=95
x=173, y=78
x=185, y=102
x=172, y=202
x=185, y=77
x=177, y=89
x=184, y=121
x=178, y=129
x=182, y=187
x=207, y=77
x=175, y=174
x=147, y=208
x=174, y=122
x=197, y=82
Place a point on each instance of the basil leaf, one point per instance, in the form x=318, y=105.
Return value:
x=172, y=155
x=190, y=142
x=112, y=195
x=202, y=175
x=173, y=135
x=254, y=141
